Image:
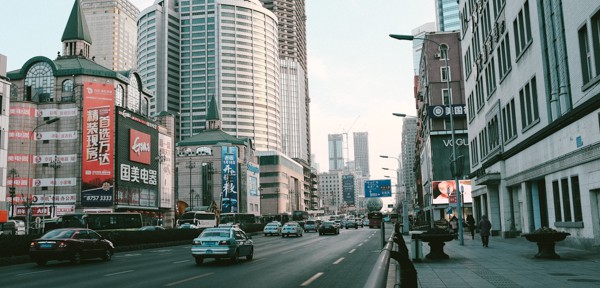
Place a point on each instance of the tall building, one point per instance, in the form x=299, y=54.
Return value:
x=336, y=151
x=532, y=70
x=447, y=16
x=417, y=44
x=112, y=26
x=229, y=49
x=158, y=56
x=295, y=102
x=361, y=153
x=407, y=180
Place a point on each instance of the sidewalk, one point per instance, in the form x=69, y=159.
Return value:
x=505, y=263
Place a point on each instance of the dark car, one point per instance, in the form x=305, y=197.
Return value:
x=73, y=244
x=351, y=223
x=329, y=227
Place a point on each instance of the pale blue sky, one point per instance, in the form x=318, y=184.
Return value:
x=357, y=74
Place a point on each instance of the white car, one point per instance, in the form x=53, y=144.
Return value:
x=273, y=228
x=292, y=228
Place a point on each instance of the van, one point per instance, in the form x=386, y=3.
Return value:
x=19, y=226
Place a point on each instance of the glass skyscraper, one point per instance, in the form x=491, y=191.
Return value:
x=446, y=15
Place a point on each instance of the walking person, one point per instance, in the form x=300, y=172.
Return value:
x=484, y=230
x=471, y=225
x=454, y=226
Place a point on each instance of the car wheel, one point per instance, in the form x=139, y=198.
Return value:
x=235, y=257
x=107, y=255
x=356, y=227
x=76, y=258
x=251, y=255
x=199, y=260
x=41, y=262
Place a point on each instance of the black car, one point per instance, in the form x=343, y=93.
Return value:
x=73, y=244
x=329, y=227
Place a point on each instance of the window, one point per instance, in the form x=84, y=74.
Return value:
x=498, y=7
x=522, y=30
x=509, y=123
x=471, y=106
x=479, y=94
x=504, y=60
x=596, y=39
x=39, y=83
x=474, y=152
x=490, y=76
x=529, y=105
x=468, y=64
x=586, y=55
x=445, y=73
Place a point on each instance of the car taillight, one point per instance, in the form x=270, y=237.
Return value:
x=62, y=245
x=223, y=242
x=32, y=244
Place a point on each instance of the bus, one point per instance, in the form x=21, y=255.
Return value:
x=300, y=217
x=247, y=221
x=281, y=218
x=375, y=218
x=99, y=221
x=200, y=219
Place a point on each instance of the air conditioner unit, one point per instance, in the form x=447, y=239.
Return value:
x=437, y=55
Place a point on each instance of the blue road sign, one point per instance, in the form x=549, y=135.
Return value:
x=378, y=188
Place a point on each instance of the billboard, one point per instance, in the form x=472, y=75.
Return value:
x=444, y=192
x=98, y=144
x=165, y=147
x=348, y=189
x=229, y=194
x=441, y=149
x=137, y=150
x=378, y=188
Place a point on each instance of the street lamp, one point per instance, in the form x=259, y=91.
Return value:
x=190, y=165
x=13, y=172
x=160, y=159
x=453, y=160
x=405, y=222
x=29, y=160
x=55, y=164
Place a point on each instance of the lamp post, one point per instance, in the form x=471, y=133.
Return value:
x=29, y=182
x=160, y=159
x=453, y=159
x=13, y=173
x=55, y=164
x=190, y=165
x=405, y=222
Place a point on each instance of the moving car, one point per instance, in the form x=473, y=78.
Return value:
x=351, y=223
x=72, y=244
x=273, y=228
x=359, y=222
x=311, y=225
x=222, y=242
x=292, y=228
x=187, y=226
x=329, y=227
x=152, y=228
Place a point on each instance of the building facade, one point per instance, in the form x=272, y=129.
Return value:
x=112, y=26
x=533, y=106
x=281, y=183
x=446, y=15
x=336, y=151
x=407, y=180
x=5, y=190
x=361, y=153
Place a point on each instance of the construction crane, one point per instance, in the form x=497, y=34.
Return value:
x=345, y=132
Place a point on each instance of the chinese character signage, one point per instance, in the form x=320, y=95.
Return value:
x=443, y=111
x=229, y=202
x=378, y=188
x=98, y=143
x=348, y=189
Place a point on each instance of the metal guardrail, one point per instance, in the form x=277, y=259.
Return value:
x=378, y=277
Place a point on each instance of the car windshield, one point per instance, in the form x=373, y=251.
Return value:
x=272, y=225
x=58, y=234
x=215, y=234
x=310, y=222
x=327, y=223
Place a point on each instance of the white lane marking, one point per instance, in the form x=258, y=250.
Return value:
x=188, y=279
x=182, y=261
x=161, y=251
x=352, y=251
x=36, y=272
x=288, y=251
x=128, y=255
x=360, y=244
x=118, y=273
x=338, y=261
x=311, y=279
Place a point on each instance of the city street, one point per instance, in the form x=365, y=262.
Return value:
x=343, y=260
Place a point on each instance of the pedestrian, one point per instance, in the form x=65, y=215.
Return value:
x=471, y=224
x=484, y=230
x=454, y=226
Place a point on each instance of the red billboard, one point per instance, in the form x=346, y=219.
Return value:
x=139, y=147
x=98, y=137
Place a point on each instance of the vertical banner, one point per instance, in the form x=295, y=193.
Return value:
x=229, y=198
x=98, y=145
x=348, y=189
x=165, y=177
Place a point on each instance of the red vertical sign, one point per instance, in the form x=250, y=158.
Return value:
x=98, y=134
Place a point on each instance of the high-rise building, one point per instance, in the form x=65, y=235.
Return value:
x=447, y=16
x=336, y=151
x=295, y=112
x=417, y=43
x=158, y=56
x=407, y=180
x=361, y=152
x=112, y=26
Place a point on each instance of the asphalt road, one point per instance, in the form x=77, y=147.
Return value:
x=343, y=260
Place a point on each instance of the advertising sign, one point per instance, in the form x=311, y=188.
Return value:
x=348, y=189
x=443, y=111
x=98, y=140
x=253, y=176
x=165, y=149
x=229, y=197
x=444, y=192
x=378, y=188
x=441, y=147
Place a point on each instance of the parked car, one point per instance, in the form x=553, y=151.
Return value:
x=292, y=228
x=311, y=225
x=273, y=228
x=152, y=228
x=329, y=227
x=72, y=244
x=222, y=242
x=351, y=223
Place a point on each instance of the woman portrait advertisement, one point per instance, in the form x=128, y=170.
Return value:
x=443, y=190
